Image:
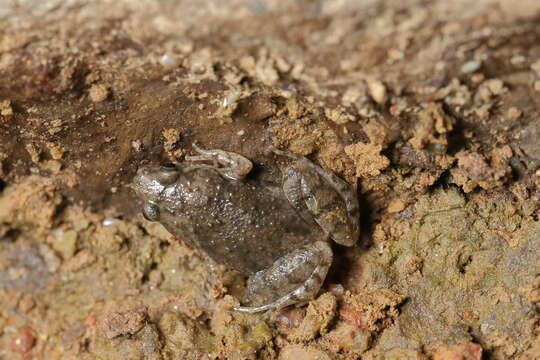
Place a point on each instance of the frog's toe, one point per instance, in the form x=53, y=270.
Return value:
x=230, y=165
x=294, y=278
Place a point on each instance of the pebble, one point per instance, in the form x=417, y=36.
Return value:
x=5, y=108
x=517, y=60
x=514, y=113
x=136, y=145
x=66, y=243
x=396, y=206
x=470, y=351
x=98, y=93
x=496, y=86
x=470, y=67
x=377, y=90
x=24, y=341
x=55, y=150
x=169, y=62
x=90, y=321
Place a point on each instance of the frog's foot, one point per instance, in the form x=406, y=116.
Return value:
x=293, y=278
x=230, y=165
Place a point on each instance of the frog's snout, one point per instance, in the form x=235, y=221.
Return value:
x=147, y=184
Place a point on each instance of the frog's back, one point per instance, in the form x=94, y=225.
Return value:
x=243, y=225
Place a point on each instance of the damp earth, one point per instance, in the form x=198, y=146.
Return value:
x=428, y=110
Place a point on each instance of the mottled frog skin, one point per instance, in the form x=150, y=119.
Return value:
x=279, y=236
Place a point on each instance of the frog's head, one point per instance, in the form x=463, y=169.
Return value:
x=149, y=184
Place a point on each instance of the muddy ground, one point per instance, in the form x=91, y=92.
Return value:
x=429, y=108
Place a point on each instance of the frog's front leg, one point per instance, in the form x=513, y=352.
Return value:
x=293, y=278
x=230, y=165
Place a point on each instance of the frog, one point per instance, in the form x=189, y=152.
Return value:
x=278, y=234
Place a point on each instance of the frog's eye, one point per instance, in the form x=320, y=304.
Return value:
x=168, y=166
x=150, y=212
x=168, y=173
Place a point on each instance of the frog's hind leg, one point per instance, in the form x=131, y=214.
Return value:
x=308, y=195
x=293, y=278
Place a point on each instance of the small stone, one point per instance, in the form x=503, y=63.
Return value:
x=90, y=321
x=136, y=145
x=377, y=90
x=470, y=67
x=496, y=86
x=477, y=78
x=66, y=243
x=98, y=93
x=5, y=108
x=186, y=46
x=171, y=137
x=470, y=351
x=396, y=206
x=482, y=112
x=24, y=341
x=537, y=85
x=338, y=116
x=517, y=60
x=229, y=104
x=395, y=54
x=514, y=113
x=56, y=122
x=34, y=152
x=169, y=61
x=55, y=150
x=352, y=95
x=55, y=127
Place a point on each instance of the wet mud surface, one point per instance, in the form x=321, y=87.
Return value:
x=429, y=108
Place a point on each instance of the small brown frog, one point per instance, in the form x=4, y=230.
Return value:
x=278, y=235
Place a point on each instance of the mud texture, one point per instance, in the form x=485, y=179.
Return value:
x=429, y=108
